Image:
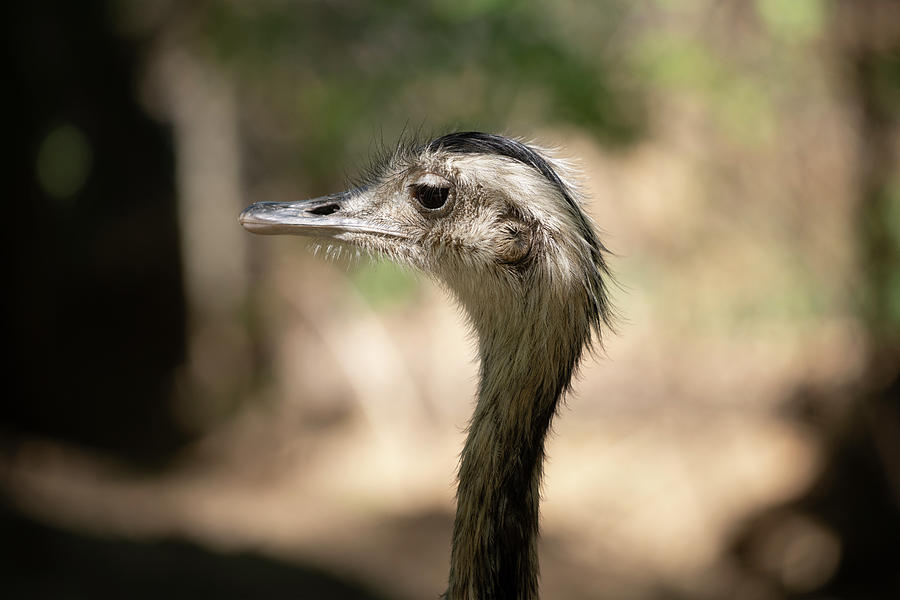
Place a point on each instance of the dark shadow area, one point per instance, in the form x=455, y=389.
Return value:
x=94, y=310
x=854, y=499
x=39, y=561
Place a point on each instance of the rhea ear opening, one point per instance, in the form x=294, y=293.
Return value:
x=515, y=242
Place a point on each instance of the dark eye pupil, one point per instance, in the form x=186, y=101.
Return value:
x=431, y=197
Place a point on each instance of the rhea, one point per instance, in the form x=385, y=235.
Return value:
x=501, y=225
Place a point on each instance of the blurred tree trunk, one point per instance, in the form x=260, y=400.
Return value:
x=202, y=106
x=93, y=301
x=868, y=39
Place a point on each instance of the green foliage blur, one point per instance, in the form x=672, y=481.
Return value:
x=338, y=74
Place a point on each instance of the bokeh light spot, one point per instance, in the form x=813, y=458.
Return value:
x=64, y=161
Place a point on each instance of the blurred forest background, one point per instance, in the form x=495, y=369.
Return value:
x=191, y=410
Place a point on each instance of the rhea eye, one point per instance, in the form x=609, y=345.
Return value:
x=429, y=196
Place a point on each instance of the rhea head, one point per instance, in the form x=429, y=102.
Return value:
x=492, y=218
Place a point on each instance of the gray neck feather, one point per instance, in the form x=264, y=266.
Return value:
x=526, y=365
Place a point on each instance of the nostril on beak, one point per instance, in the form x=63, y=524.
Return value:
x=324, y=209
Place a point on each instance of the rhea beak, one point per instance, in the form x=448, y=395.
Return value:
x=328, y=216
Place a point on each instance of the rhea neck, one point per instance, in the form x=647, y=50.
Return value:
x=528, y=348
